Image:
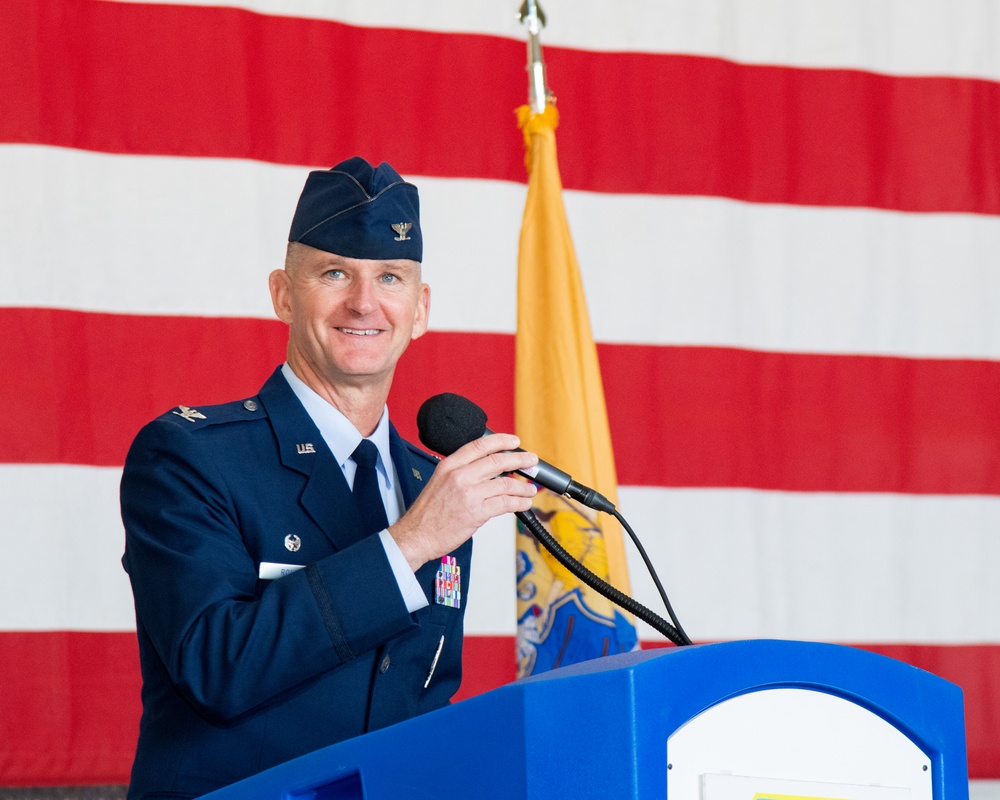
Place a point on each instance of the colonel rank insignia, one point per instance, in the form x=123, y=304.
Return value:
x=189, y=414
x=402, y=228
x=449, y=583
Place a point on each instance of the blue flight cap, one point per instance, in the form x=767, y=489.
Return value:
x=359, y=211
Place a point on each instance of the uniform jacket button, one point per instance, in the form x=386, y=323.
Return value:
x=384, y=665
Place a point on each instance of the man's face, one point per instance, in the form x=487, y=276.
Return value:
x=349, y=319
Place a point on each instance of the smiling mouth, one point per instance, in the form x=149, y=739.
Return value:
x=360, y=332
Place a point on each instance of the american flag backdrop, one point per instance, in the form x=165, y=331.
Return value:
x=787, y=218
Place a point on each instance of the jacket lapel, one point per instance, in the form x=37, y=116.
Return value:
x=326, y=498
x=411, y=479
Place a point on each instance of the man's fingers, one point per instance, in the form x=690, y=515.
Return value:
x=502, y=463
x=490, y=456
x=511, y=486
x=467, y=488
x=506, y=504
x=484, y=446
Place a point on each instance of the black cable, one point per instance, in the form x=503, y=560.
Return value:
x=653, y=575
x=532, y=523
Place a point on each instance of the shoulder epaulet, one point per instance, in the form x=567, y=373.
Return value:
x=236, y=411
x=423, y=454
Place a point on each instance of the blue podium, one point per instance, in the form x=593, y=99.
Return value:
x=750, y=720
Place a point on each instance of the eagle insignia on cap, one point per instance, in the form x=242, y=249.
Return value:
x=402, y=228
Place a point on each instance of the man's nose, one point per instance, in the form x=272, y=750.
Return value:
x=362, y=297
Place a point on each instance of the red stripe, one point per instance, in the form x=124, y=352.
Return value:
x=69, y=711
x=488, y=662
x=185, y=81
x=81, y=385
x=680, y=416
x=683, y=416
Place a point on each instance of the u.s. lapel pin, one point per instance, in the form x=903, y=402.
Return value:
x=292, y=543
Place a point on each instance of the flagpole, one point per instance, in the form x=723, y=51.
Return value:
x=532, y=16
x=565, y=599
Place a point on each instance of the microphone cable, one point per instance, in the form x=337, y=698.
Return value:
x=653, y=575
x=448, y=421
x=673, y=632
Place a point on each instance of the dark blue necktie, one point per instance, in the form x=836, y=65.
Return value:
x=366, y=491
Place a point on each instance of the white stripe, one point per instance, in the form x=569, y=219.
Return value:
x=834, y=567
x=708, y=271
x=746, y=564
x=736, y=563
x=152, y=235
x=142, y=235
x=63, y=541
x=940, y=37
x=984, y=790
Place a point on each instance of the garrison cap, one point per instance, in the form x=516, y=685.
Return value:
x=359, y=211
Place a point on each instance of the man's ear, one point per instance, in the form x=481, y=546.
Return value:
x=278, y=282
x=422, y=313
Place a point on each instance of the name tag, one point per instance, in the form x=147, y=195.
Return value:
x=269, y=570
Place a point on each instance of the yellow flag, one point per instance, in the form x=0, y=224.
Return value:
x=560, y=414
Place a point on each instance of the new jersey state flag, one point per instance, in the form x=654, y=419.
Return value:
x=560, y=411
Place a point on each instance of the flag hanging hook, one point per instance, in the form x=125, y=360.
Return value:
x=531, y=14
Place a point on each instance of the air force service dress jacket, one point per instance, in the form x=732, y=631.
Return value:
x=241, y=673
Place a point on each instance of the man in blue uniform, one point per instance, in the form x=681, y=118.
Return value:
x=284, y=549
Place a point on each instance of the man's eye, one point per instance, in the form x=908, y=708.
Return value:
x=335, y=273
x=389, y=278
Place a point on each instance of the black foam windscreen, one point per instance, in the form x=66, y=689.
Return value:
x=447, y=421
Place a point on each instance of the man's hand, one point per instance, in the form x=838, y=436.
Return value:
x=467, y=489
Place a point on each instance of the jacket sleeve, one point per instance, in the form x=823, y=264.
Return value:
x=227, y=646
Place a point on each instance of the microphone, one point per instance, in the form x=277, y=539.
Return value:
x=447, y=421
